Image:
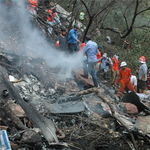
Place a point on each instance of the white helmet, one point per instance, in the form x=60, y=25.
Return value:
x=105, y=55
x=123, y=64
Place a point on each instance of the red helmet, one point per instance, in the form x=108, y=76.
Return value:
x=142, y=59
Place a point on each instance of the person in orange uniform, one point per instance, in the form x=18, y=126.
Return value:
x=124, y=78
x=99, y=55
x=82, y=45
x=32, y=6
x=53, y=19
x=115, y=69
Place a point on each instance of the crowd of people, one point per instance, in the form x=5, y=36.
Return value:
x=94, y=62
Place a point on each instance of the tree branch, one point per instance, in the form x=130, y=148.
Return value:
x=86, y=8
x=100, y=11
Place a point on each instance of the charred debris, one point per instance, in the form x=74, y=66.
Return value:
x=40, y=111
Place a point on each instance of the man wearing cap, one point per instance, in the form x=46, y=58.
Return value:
x=115, y=69
x=90, y=50
x=142, y=75
x=105, y=64
x=61, y=42
x=73, y=39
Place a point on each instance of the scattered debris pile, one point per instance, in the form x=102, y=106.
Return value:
x=40, y=111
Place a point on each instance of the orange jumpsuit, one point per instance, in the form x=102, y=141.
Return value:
x=124, y=78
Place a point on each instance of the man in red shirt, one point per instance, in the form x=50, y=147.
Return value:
x=115, y=69
x=124, y=78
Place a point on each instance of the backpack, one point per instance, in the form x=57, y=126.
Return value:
x=107, y=64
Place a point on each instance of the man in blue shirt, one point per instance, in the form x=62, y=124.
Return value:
x=73, y=39
x=90, y=50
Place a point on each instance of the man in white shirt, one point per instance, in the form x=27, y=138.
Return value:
x=133, y=80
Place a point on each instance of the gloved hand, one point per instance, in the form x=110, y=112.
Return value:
x=128, y=80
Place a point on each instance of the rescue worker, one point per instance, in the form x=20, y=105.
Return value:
x=105, y=64
x=115, y=69
x=127, y=46
x=61, y=42
x=142, y=75
x=99, y=54
x=73, y=39
x=90, y=50
x=81, y=16
x=85, y=61
x=124, y=78
x=32, y=7
x=82, y=45
x=52, y=19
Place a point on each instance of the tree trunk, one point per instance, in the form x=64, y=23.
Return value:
x=87, y=28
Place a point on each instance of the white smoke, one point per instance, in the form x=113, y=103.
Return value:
x=31, y=40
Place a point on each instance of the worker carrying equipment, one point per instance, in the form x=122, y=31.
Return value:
x=81, y=16
x=124, y=78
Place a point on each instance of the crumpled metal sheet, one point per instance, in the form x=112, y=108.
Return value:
x=67, y=107
x=143, y=125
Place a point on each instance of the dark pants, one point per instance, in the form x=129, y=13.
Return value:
x=142, y=85
x=91, y=70
x=72, y=48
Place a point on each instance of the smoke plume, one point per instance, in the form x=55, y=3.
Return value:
x=18, y=33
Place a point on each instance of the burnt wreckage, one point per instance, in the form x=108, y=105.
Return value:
x=40, y=111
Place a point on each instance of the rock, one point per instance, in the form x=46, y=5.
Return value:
x=51, y=91
x=31, y=137
x=35, y=87
x=130, y=108
x=17, y=109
